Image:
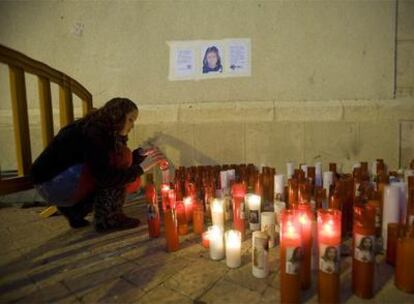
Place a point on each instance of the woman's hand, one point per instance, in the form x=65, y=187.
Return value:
x=148, y=151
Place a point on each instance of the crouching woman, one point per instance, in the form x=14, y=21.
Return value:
x=88, y=166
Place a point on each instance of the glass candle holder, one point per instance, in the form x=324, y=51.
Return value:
x=217, y=212
x=328, y=178
x=404, y=264
x=290, y=256
x=363, y=260
x=238, y=192
x=216, y=243
x=188, y=206
x=233, y=248
x=198, y=218
x=171, y=230
x=181, y=219
x=164, y=195
x=260, y=254
x=329, y=241
x=268, y=226
x=279, y=187
x=153, y=214
x=305, y=221
x=254, y=201
x=391, y=209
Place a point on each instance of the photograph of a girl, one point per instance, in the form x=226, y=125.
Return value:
x=364, y=252
x=88, y=167
x=212, y=60
x=329, y=260
x=293, y=258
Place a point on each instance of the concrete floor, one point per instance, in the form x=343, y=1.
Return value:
x=43, y=260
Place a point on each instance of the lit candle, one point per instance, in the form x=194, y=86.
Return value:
x=217, y=212
x=305, y=221
x=268, y=226
x=363, y=266
x=171, y=230
x=205, y=240
x=216, y=244
x=188, y=205
x=260, y=254
x=254, y=211
x=238, y=192
x=391, y=209
x=290, y=257
x=198, y=218
x=171, y=198
x=279, y=187
x=233, y=248
x=164, y=195
x=329, y=238
x=404, y=264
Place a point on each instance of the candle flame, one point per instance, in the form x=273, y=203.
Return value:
x=188, y=201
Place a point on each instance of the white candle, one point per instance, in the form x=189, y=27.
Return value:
x=217, y=212
x=290, y=169
x=391, y=209
x=268, y=226
x=304, y=168
x=327, y=181
x=278, y=206
x=216, y=243
x=260, y=253
x=253, y=201
x=279, y=187
x=318, y=174
x=233, y=248
x=403, y=200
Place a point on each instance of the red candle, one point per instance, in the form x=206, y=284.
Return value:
x=305, y=220
x=198, y=218
x=171, y=198
x=238, y=192
x=329, y=239
x=182, y=220
x=188, y=205
x=363, y=261
x=170, y=229
x=290, y=256
x=153, y=215
x=393, y=230
x=164, y=195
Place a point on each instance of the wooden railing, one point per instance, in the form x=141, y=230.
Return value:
x=19, y=64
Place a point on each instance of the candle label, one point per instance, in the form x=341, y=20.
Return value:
x=293, y=260
x=364, y=248
x=269, y=229
x=254, y=216
x=329, y=256
x=260, y=252
x=152, y=211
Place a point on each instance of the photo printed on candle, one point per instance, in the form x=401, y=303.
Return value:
x=329, y=257
x=364, y=248
x=293, y=259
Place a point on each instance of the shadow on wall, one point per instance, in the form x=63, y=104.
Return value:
x=188, y=155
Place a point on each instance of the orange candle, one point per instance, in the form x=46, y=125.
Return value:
x=164, y=195
x=238, y=192
x=198, y=218
x=290, y=257
x=404, y=264
x=170, y=230
x=329, y=239
x=305, y=220
x=188, y=206
x=363, y=261
x=181, y=219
